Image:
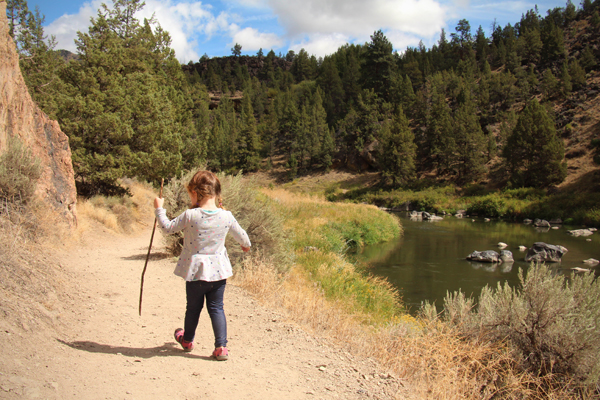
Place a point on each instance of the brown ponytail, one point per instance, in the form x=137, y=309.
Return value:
x=205, y=184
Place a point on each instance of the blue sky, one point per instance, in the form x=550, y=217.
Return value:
x=319, y=26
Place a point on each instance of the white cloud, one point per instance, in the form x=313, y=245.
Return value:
x=357, y=18
x=321, y=45
x=251, y=39
x=65, y=27
x=185, y=22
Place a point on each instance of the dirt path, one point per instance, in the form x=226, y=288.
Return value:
x=112, y=353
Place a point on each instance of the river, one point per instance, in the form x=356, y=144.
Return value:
x=429, y=259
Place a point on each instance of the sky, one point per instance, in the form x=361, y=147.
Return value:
x=213, y=27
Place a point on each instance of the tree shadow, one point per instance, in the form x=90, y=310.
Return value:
x=166, y=350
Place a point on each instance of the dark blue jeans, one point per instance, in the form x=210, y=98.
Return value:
x=196, y=291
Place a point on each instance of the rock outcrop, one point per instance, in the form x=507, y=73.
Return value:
x=21, y=117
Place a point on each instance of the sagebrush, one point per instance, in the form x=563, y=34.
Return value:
x=253, y=210
x=551, y=322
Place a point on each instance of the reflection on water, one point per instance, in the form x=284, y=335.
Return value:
x=429, y=260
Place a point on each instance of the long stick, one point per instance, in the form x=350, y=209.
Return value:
x=162, y=181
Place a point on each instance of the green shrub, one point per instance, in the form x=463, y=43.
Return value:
x=491, y=206
x=19, y=172
x=551, y=322
x=254, y=211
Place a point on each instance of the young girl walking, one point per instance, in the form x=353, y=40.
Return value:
x=203, y=263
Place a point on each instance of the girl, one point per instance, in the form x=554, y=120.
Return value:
x=203, y=263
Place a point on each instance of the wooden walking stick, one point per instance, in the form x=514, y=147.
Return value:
x=162, y=181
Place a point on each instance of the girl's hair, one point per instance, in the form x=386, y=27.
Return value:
x=205, y=184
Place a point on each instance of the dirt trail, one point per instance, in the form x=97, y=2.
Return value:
x=110, y=352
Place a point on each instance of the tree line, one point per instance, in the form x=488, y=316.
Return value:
x=130, y=109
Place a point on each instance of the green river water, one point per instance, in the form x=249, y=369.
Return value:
x=429, y=259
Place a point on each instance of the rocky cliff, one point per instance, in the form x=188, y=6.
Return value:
x=20, y=116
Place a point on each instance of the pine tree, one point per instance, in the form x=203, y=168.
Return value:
x=397, y=151
x=440, y=145
x=470, y=141
x=577, y=75
x=249, y=145
x=333, y=93
x=588, y=60
x=534, y=154
x=565, y=79
x=550, y=84
x=378, y=65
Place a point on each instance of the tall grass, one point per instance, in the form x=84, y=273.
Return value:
x=322, y=233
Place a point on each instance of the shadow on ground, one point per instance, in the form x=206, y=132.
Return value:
x=166, y=350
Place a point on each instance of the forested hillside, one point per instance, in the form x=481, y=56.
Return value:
x=498, y=108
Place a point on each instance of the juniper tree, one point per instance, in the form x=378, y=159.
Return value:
x=125, y=112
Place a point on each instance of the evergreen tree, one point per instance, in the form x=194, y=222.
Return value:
x=565, y=79
x=249, y=145
x=397, y=151
x=595, y=20
x=236, y=50
x=470, y=141
x=550, y=85
x=534, y=154
x=40, y=64
x=124, y=111
x=333, y=92
x=577, y=75
x=440, y=145
x=378, y=65
x=588, y=60
x=302, y=67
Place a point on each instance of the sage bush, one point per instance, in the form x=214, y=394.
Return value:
x=254, y=211
x=551, y=321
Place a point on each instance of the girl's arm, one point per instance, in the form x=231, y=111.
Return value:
x=167, y=226
x=239, y=234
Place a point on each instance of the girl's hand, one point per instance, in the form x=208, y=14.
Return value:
x=245, y=249
x=158, y=202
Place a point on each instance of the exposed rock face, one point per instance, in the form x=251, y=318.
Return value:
x=541, y=252
x=21, y=117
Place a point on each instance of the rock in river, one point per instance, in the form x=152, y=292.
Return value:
x=489, y=256
x=541, y=252
x=581, y=232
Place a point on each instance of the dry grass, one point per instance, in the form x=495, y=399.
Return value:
x=434, y=360
x=431, y=357
x=119, y=214
x=33, y=286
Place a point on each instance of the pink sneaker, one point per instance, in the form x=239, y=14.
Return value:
x=221, y=353
x=187, y=346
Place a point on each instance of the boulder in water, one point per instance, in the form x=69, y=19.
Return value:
x=581, y=232
x=506, y=256
x=541, y=252
x=541, y=223
x=488, y=256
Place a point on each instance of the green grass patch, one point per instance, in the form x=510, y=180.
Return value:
x=323, y=232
